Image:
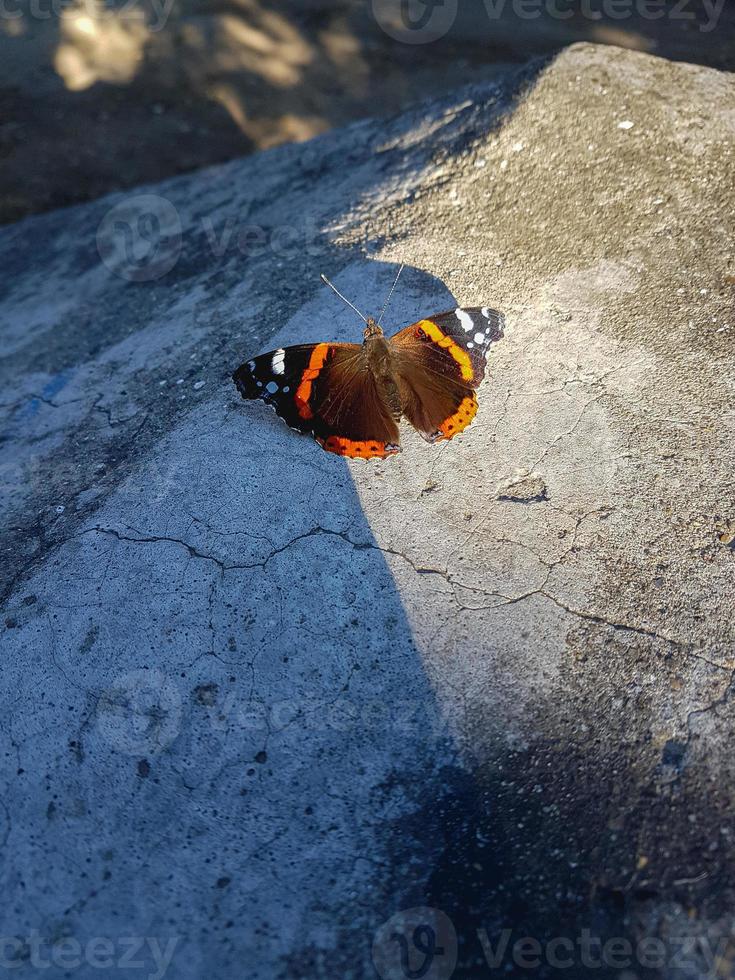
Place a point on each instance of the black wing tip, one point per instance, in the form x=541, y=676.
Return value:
x=496, y=319
x=243, y=380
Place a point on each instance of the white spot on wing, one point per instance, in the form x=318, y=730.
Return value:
x=251, y=365
x=486, y=312
x=277, y=362
x=479, y=338
x=271, y=387
x=465, y=319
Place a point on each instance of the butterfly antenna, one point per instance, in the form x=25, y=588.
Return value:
x=351, y=305
x=390, y=294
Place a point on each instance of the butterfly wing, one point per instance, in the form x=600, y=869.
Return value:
x=325, y=390
x=439, y=362
x=275, y=378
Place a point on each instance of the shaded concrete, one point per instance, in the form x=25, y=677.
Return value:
x=260, y=699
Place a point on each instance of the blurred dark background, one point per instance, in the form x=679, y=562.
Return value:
x=96, y=97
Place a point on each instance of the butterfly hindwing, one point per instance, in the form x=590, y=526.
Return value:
x=351, y=415
x=439, y=362
x=438, y=408
x=325, y=390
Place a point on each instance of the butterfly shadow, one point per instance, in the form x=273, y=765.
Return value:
x=321, y=695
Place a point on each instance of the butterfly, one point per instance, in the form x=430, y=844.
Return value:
x=351, y=397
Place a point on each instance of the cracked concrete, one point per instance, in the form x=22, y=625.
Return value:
x=259, y=699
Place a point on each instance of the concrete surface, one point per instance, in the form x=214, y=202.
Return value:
x=258, y=700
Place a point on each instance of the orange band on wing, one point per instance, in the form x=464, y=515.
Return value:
x=461, y=418
x=303, y=392
x=358, y=450
x=460, y=356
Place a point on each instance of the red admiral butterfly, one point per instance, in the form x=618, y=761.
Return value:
x=350, y=397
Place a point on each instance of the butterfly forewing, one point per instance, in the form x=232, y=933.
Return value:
x=453, y=344
x=275, y=378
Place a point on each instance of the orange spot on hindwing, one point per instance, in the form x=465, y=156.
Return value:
x=303, y=392
x=442, y=340
x=461, y=418
x=356, y=449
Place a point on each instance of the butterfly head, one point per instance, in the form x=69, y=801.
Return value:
x=372, y=329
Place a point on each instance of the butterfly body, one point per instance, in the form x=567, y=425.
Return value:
x=379, y=359
x=351, y=397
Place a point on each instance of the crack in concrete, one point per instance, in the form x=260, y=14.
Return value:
x=236, y=566
x=718, y=702
x=567, y=434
